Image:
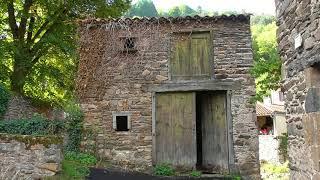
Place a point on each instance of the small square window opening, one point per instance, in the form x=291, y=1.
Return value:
x=129, y=43
x=122, y=123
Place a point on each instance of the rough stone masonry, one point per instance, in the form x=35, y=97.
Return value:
x=112, y=80
x=29, y=157
x=299, y=46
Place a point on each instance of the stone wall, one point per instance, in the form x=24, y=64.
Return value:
x=28, y=157
x=299, y=47
x=21, y=107
x=110, y=81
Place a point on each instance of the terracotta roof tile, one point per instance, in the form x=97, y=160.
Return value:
x=239, y=17
x=263, y=110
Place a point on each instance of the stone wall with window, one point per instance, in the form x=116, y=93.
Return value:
x=299, y=47
x=114, y=76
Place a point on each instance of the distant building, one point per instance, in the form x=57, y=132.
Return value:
x=271, y=124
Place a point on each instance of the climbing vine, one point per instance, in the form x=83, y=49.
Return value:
x=74, y=129
x=283, y=146
x=4, y=99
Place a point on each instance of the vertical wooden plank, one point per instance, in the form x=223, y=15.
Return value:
x=192, y=57
x=175, y=128
x=232, y=168
x=214, y=132
x=201, y=56
x=154, y=144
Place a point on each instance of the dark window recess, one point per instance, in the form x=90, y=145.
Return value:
x=281, y=98
x=129, y=43
x=122, y=123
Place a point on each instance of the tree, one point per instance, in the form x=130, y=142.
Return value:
x=39, y=48
x=143, y=8
x=267, y=63
x=262, y=19
x=182, y=10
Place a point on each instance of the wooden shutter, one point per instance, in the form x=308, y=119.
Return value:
x=175, y=129
x=192, y=57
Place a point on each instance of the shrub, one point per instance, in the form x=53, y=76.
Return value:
x=74, y=128
x=37, y=125
x=76, y=165
x=195, y=173
x=4, y=99
x=164, y=170
x=82, y=158
x=283, y=146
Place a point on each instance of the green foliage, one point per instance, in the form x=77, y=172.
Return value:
x=143, y=8
x=74, y=128
x=38, y=44
x=283, y=146
x=262, y=19
x=195, y=173
x=271, y=171
x=4, y=99
x=37, y=125
x=267, y=63
x=76, y=165
x=164, y=170
x=82, y=158
x=236, y=177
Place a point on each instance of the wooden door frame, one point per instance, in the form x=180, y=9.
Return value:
x=231, y=155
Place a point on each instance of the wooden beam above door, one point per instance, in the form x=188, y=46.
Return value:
x=212, y=85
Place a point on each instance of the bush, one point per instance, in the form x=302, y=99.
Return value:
x=82, y=158
x=164, y=170
x=195, y=173
x=4, y=99
x=37, y=125
x=76, y=165
x=74, y=128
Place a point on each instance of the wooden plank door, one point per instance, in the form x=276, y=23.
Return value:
x=192, y=57
x=214, y=131
x=175, y=129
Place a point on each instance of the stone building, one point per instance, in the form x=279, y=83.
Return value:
x=299, y=46
x=170, y=90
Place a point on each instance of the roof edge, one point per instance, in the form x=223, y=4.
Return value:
x=238, y=17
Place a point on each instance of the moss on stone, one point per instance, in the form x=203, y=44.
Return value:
x=30, y=140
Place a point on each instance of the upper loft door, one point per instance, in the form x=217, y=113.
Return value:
x=192, y=57
x=175, y=138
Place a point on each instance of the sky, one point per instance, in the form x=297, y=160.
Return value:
x=250, y=6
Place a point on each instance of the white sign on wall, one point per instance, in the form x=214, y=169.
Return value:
x=297, y=41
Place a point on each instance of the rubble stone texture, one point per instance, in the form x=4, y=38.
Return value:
x=21, y=159
x=20, y=107
x=301, y=82
x=110, y=80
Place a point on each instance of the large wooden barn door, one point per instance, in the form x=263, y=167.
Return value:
x=214, y=131
x=175, y=129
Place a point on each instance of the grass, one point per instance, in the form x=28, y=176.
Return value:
x=164, y=170
x=195, y=173
x=75, y=166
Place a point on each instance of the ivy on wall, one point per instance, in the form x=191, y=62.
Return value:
x=37, y=125
x=283, y=146
x=4, y=99
x=74, y=129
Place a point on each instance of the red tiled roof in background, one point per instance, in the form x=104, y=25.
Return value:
x=263, y=110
